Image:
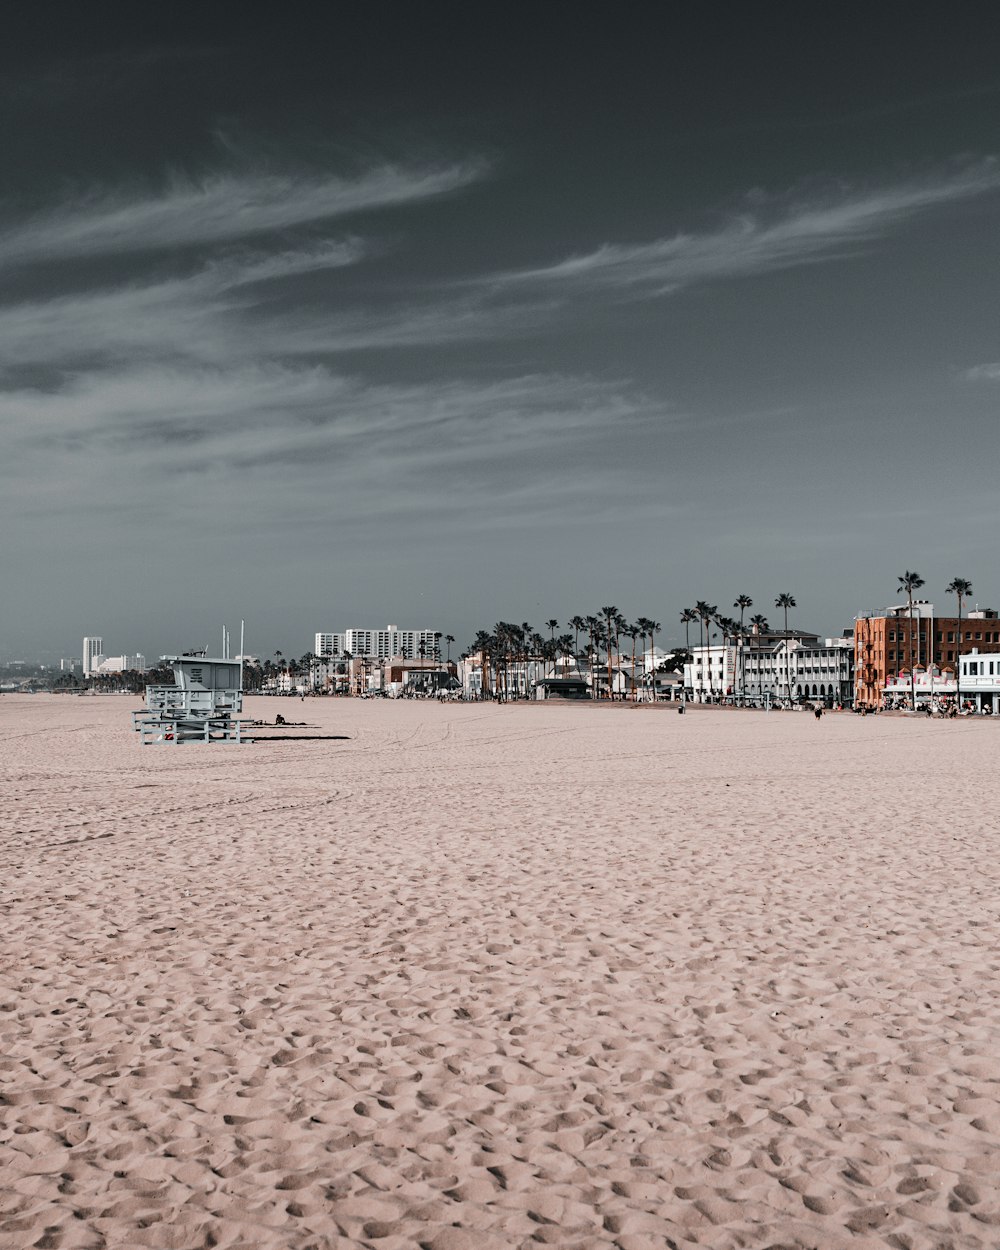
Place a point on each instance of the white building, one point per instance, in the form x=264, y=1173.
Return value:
x=93, y=649
x=327, y=645
x=772, y=668
x=378, y=644
x=824, y=670
x=710, y=674
x=979, y=681
x=382, y=643
x=119, y=664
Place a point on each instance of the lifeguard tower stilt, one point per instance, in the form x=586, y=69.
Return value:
x=203, y=705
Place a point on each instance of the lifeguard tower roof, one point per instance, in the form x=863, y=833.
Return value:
x=204, y=672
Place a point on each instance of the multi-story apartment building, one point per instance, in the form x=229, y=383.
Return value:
x=824, y=670
x=93, y=651
x=120, y=664
x=892, y=640
x=327, y=645
x=772, y=667
x=979, y=681
x=382, y=643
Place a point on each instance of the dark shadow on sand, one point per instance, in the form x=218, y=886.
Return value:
x=259, y=737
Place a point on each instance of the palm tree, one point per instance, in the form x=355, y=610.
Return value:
x=911, y=582
x=620, y=626
x=654, y=628
x=786, y=601
x=688, y=617
x=592, y=624
x=565, y=648
x=729, y=625
x=482, y=643
x=742, y=602
x=961, y=589
x=610, y=613
x=759, y=625
x=705, y=612
x=576, y=624
x=552, y=626
x=632, y=631
x=642, y=624
x=449, y=639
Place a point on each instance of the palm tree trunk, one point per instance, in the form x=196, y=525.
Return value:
x=913, y=667
x=788, y=667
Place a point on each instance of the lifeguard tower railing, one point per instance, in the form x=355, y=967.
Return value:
x=203, y=705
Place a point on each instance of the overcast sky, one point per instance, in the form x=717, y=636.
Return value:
x=435, y=316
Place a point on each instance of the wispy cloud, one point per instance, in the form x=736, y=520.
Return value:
x=218, y=209
x=156, y=435
x=758, y=240
x=224, y=314
x=983, y=373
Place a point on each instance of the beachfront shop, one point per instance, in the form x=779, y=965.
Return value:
x=980, y=682
x=935, y=689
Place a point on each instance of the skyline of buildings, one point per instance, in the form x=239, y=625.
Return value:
x=890, y=648
x=96, y=663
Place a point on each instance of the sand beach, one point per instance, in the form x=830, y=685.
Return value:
x=471, y=977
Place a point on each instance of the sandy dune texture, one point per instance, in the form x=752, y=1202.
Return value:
x=485, y=977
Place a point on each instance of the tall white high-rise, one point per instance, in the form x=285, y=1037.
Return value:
x=92, y=648
x=392, y=640
x=327, y=645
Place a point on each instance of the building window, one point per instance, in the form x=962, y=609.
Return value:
x=951, y=635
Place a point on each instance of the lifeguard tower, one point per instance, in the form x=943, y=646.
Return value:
x=202, y=705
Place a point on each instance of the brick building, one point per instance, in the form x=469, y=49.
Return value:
x=889, y=641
